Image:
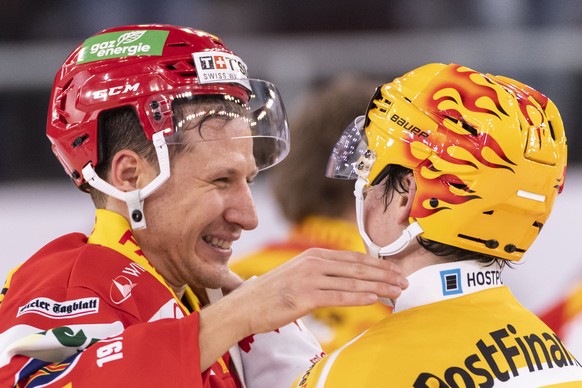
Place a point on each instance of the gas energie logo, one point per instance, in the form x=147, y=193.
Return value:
x=122, y=44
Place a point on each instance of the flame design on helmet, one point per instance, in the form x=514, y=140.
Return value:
x=466, y=84
x=459, y=93
x=480, y=147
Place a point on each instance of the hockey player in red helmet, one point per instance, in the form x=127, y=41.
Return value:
x=164, y=129
x=151, y=70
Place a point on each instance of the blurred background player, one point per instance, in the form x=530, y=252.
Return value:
x=565, y=318
x=319, y=210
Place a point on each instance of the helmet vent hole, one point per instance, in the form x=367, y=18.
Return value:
x=472, y=130
x=461, y=186
x=491, y=244
x=539, y=225
x=552, y=130
x=61, y=103
x=178, y=44
x=466, y=126
x=489, y=212
x=67, y=86
x=182, y=68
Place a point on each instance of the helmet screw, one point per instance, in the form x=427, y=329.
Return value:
x=510, y=248
x=492, y=244
x=78, y=141
x=360, y=165
x=154, y=104
x=434, y=202
x=136, y=215
x=75, y=175
x=157, y=116
x=368, y=153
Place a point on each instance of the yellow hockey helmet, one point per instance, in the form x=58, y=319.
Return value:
x=488, y=155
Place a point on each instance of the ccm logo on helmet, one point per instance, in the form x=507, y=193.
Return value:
x=409, y=127
x=113, y=91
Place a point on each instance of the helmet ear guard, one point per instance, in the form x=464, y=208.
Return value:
x=488, y=155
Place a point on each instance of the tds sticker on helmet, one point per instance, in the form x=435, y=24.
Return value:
x=218, y=66
x=122, y=44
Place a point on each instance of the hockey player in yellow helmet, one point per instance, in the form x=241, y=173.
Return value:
x=456, y=173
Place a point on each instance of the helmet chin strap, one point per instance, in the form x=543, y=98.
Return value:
x=401, y=242
x=391, y=249
x=135, y=198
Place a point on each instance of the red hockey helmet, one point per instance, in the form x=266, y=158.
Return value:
x=146, y=67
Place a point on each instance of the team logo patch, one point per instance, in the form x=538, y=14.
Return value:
x=218, y=66
x=120, y=289
x=60, y=310
x=451, y=281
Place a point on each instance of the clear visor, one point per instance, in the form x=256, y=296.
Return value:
x=350, y=158
x=250, y=109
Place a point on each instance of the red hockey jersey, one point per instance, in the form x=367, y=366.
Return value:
x=93, y=310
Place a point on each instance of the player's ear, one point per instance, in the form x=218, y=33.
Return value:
x=406, y=199
x=130, y=171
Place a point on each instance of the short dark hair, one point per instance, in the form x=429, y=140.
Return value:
x=393, y=176
x=119, y=129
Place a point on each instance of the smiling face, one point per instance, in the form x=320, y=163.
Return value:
x=194, y=218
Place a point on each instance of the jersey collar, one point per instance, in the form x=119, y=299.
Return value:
x=112, y=230
x=440, y=282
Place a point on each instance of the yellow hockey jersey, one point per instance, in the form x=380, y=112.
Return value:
x=455, y=326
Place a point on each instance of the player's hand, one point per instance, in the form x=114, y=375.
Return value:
x=317, y=278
